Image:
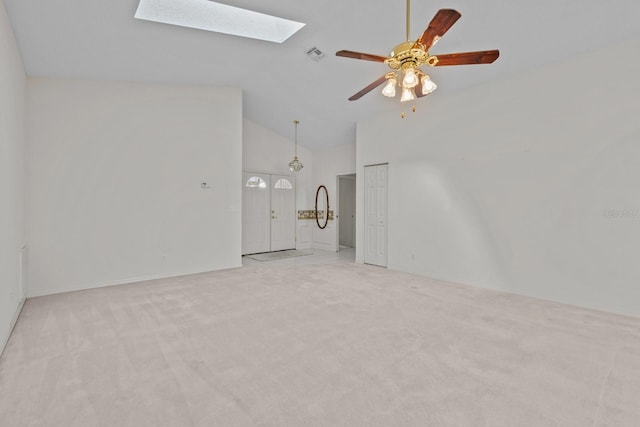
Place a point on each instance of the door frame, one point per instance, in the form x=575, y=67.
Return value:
x=337, y=208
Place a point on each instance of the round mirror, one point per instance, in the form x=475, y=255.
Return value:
x=322, y=206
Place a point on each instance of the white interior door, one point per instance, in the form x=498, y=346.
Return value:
x=375, y=222
x=256, y=219
x=283, y=213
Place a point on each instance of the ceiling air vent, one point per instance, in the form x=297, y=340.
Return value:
x=315, y=54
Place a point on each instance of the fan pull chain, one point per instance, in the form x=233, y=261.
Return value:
x=413, y=109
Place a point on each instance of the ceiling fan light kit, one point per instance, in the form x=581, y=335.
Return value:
x=390, y=88
x=406, y=59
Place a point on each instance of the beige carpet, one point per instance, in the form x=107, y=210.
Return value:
x=341, y=345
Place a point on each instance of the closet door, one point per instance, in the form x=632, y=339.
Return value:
x=283, y=212
x=256, y=219
x=375, y=215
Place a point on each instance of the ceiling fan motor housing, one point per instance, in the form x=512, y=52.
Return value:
x=406, y=55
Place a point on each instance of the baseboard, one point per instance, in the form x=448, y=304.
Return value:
x=132, y=280
x=12, y=324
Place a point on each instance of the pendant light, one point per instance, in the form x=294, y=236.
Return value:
x=295, y=165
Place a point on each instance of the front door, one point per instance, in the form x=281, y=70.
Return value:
x=283, y=213
x=256, y=219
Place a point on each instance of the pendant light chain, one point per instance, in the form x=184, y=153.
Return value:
x=295, y=165
x=296, y=138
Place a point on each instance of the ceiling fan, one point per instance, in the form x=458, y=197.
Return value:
x=406, y=59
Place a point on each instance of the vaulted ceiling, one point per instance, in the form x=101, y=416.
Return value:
x=97, y=39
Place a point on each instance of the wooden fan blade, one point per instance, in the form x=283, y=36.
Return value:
x=368, y=89
x=465, y=58
x=440, y=24
x=360, y=55
x=418, y=89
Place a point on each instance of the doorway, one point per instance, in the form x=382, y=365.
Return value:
x=268, y=213
x=346, y=218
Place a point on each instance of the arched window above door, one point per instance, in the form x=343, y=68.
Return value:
x=256, y=182
x=283, y=184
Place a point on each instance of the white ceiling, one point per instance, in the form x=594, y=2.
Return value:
x=98, y=39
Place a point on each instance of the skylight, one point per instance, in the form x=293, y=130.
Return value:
x=217, y=17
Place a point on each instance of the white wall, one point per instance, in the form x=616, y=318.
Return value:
x=12, y=123
x=528, y=185
x=329, y=163
x=114, y=174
